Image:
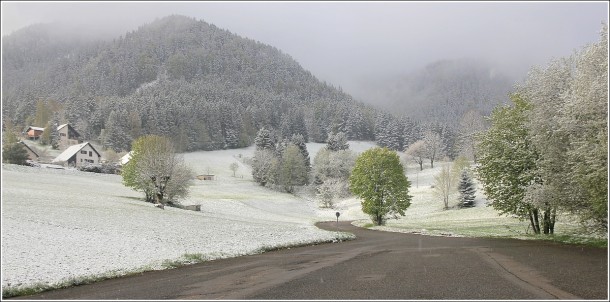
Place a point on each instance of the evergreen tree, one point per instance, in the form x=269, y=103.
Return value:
x=393, y=135
x=115, y=136
x=466, y=189
x=231, y=139
x=54, y=136
x=337, y=142
x=13, y=151
x=381, y=125
x=264, y=140
x=298, y=125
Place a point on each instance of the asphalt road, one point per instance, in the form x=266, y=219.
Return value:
x=377, y=265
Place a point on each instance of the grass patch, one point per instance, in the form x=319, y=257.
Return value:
x=567, y=235
x=270, y=248
x=185, y=259
x=574, y=240
x=9, y=291
x=15, y=291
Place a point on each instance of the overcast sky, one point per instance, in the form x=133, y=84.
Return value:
x=342, y=42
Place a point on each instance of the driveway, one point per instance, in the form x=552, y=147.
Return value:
x=377, y=265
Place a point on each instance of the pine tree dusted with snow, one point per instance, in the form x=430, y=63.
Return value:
x=466, y=189
x=337, y=142
x=264, y=140
x=54, y=139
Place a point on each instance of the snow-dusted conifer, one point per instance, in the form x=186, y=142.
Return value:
x=264, y=140
x=337, y=142
x=466, y=189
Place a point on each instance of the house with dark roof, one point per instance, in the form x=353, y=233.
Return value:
x=79, y=155
x=68, y=136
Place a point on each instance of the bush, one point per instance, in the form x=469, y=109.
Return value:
x=101, y=168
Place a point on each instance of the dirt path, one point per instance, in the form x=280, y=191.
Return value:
x=377, y=265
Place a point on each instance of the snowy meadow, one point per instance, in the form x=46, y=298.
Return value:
x=59, y=226
x=62, y=226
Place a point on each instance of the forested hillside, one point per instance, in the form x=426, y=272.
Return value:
x=200, y=85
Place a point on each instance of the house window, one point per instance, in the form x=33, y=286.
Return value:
x=83, y=152
x=62, y=134
x=90, y=153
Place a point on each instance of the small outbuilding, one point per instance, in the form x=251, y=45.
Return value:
x=205, y=177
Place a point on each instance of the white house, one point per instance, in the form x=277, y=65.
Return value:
x=125, y=159
x=79, y=155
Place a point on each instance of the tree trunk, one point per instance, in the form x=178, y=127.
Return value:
x=546, y=221
x=533, y=215
x=552, y=222
x=536, y=221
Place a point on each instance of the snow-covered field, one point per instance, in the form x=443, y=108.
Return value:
x=62, y=225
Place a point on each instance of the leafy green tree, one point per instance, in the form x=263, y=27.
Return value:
x=507, y=162
x=155, y=170
x=293, y=171
x=45, y=137
x=43, y=114
x=378, y=179
x=569, y=126
x=50, y=135
x=299, y=141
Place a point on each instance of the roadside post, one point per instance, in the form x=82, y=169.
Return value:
x=337, y=223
